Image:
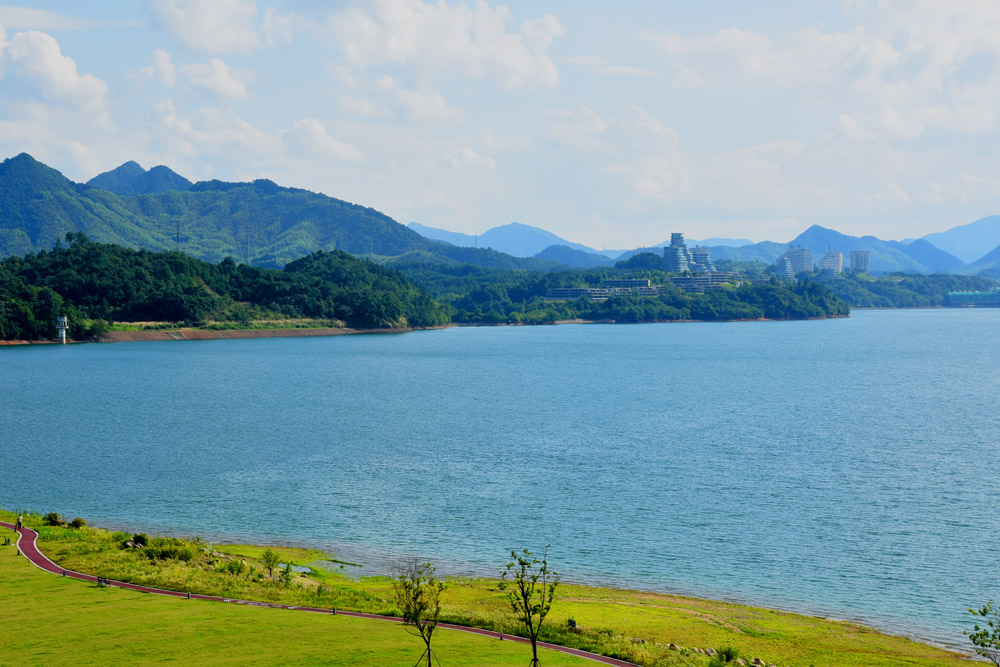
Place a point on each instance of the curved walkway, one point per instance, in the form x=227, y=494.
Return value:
x=27, y=544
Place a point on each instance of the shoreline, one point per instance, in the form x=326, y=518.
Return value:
x=193, y=333
x=362, y=569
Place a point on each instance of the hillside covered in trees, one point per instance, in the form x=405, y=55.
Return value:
x=903, y=290
x=480, y=295
x=257, y=223
x=97, y=284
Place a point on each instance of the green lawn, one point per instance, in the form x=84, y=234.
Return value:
x=50, y=620
x=633, y=625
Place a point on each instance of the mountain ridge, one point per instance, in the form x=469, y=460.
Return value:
x=258, y=222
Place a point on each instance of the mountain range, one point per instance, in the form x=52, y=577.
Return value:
x=258, y=222
x=924, y=255
x=262, y=223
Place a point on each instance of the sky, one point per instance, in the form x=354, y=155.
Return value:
x=609, y=124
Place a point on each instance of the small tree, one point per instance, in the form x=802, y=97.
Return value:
x=418, y=597
x=530, y=587
x=987, y=639
x=287, y=575
x=270, y=559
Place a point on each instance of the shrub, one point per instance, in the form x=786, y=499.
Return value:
x=53, y=519
x=77, y=523
x=141, y=539
x=165, y=551
x=233, y=567
x=724, y=656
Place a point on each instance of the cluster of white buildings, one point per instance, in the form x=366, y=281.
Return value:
x=799, y=259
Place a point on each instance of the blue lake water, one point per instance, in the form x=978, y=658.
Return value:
x=846, y=468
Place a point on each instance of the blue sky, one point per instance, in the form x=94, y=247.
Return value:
x=608, y=125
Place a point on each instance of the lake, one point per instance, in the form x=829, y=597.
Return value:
x=846, y=468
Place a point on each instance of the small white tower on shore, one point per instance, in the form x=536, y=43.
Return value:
x=62, y=325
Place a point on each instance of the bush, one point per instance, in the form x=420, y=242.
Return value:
x=168, y=547
x=233, y=567
x=141, y=539
x=77, y=523
x=53, y=519
x=724, y=656
x=165, y=551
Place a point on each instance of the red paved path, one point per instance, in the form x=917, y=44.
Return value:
x=27, y=543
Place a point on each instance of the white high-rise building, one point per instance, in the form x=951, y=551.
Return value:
x=801, y=258
x=832, y=261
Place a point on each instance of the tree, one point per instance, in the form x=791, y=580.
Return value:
x=418, y=597
x=530, y=587
x=987, y=639
x=270, y=559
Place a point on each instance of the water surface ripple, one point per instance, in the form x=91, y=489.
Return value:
x=845, y=468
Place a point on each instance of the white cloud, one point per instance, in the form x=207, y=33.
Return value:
x=853, y=129
x=218, y=78
x=623, y=70
x=35, y=61
x=308, y=135
x=580, y=128
x=27, y=18
x=686, y=78
x=219, y=26
x=162, y=68
x=589, y=61
x=361, y=106
x=913, y=65
x=898, y=127
x=498, y=144
x=427, y=106
x=392, y=99
x=466, y=156
x=210, y=133
x=963, y=188
x=440, y=37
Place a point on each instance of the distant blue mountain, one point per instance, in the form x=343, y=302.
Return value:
x=988, y=264
x=731, y=243
x=765, y=251
x=967, y=242
x=514, y=239
x=919, y=256
x=884, y=256
x=578, y=259
x=934, y=258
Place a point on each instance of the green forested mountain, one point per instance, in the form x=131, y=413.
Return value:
x=903, y=290
x=259, y=223
x=131, y=179
x=90, y=282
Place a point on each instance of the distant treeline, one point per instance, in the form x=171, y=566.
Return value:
x=903, y=290
x=492, y=296
x=96, y=284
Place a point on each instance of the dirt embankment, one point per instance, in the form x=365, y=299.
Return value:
x=210, y=334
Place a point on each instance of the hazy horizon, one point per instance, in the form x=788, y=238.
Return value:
x=602, y=125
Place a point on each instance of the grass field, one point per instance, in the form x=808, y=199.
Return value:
x=49, y=620
x=632, y=625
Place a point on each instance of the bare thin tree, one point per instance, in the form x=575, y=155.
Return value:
x=418, y=597
x=530, y=587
